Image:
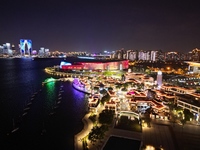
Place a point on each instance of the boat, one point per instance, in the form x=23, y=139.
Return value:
x=55, y=107
x=52, y=113
x=14, y=127
x=30, y=103
x=27, y=108
x=24, y=114
x=35, y=93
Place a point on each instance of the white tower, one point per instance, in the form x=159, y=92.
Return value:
x=159, y=79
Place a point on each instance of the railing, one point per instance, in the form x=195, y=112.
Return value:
x=129, y=113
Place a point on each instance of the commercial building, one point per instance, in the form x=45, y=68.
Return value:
x=95, y=65
x=185, y=98
x=194, y=67
x=23, y=44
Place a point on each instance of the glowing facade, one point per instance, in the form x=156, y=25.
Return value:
x=23, y=44
x=159, y=79
x=96, y=65
x=194, y=67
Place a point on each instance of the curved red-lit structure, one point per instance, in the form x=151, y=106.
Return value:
x=96, y=65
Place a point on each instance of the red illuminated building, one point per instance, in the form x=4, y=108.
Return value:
x=95, y=65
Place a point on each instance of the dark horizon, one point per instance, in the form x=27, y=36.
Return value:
x=95, y=26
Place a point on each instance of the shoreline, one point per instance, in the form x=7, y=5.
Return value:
x=88, y=125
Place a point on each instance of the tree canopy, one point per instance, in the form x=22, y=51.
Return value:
x=187, y=114
x=97, y=133
x=106, y=116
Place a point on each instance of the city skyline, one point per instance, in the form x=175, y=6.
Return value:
x=95, y=26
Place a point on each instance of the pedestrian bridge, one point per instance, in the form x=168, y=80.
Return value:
x=129, y=114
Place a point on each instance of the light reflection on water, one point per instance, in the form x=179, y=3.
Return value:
x=50, y=96
x=19, y=79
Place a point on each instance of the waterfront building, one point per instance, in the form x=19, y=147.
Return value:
x=23, y=44
x=6, y=50
x=95, y=65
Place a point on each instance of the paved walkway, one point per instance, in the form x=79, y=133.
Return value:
x=188, y=136
x=166, y=133
x=159, y=136
x=88, y=125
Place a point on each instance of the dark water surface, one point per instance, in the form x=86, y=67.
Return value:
x=19, y=80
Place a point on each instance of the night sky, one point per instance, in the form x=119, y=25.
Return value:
x=94, y=26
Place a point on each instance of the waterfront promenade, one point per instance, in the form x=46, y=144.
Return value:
x=88, y=125
x=161, y=134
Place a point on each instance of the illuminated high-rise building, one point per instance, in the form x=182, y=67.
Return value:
x=159, y=79
x=153, y=55
x=23, y=44
x=196, y=54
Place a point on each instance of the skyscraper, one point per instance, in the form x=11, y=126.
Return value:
x=159, y=79
x=23, y=44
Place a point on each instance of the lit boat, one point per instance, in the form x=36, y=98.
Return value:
x=24, y=114
x=27, y=108
x=52, y=113
x=30, y=103
x=55, y=107
x=15, y=129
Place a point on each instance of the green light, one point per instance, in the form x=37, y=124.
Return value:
x=50, y=80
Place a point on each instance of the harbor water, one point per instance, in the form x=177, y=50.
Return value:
x=33, y=116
